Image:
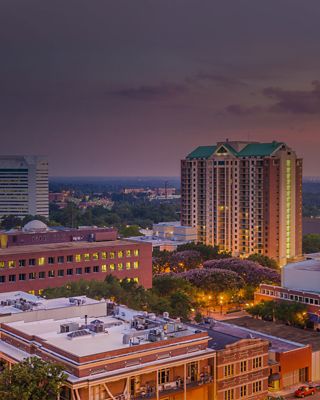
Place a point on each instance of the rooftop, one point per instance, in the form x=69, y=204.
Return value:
x=101, y=334
x=306, y=265
x=62, y=247
x=223, y=333
x=280, y=331
x=254, y=149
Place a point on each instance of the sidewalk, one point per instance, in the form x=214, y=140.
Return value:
x=289, y=391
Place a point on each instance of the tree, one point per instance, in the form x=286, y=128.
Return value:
x=311, y=243
x=263, y=260
x=129, y=230
x=10, y=221
x=207, y=252
x=32, y=379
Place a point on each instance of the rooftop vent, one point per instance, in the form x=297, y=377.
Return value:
x=80, y=333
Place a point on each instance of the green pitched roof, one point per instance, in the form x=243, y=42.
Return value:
x=202, y=152
x=259, y=149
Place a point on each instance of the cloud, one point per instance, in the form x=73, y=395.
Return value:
x=219, y=80
x=240, y=110
x=149, y=92
x=294, y=101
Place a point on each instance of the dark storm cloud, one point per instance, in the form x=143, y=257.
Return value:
x=148, y=92
x=295, y=101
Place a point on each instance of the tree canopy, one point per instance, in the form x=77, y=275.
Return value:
x=311, y=243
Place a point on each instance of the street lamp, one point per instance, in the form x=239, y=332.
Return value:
x=221, y=302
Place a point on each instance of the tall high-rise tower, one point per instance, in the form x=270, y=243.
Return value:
x=24, y=186
x=245, y=197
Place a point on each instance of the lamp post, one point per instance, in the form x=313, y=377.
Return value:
x=221, y=303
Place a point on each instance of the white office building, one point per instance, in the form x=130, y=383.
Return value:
x=24, y=186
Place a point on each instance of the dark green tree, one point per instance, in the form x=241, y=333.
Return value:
x=32, y=379
x=263, y=260
x=311, y=243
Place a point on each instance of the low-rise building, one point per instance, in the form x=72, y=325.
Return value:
x=32, y=268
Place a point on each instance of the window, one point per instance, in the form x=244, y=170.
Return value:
x=228, y=370
x=136, y=280
x=256, y=387
x=243, y=391
x=128, y=253
x=12, y=278
x=42, y=275
x=86, y=257
x=1, y=264
x=41, y=261
x=164, y=376
x=87, y=270
x=32, y=275
x=112, y=255
x=22, y=263
x=96, y=268
x=11, y=264
x=128, y=265
x=78, y=257
x=120, y=266
x=78, y=271
x=103, y=268
x=120, y=254
x=257, y=362
x=60, y=259
x=112, y=267
x=2, y=278
x=32, y=261
x=70, y=259
x=22, y=277
x=51, y=273
x=50, y=260
x=95, y=256
x=104, y=255
x=60, y=272
x=136, y=252
x=229, y=394
x=69, y=271
x=136, y=264
x=243, y=366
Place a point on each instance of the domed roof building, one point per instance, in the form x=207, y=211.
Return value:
x=35, y=226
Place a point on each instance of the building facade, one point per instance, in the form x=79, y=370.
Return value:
x=24, y=186
x=36, y=267
x=245, y=197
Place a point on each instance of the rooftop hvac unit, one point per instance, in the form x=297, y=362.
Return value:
x=69, y=327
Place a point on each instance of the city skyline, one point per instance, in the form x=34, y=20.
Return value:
x=119, y=87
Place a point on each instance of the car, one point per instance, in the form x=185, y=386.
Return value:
x=305, y=391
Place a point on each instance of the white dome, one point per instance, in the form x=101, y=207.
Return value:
x=35, y=226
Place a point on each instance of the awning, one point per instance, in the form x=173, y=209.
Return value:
x=274, y=377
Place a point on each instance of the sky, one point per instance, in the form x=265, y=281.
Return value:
x=130, y=87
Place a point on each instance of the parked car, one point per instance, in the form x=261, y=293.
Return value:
x=305, y=391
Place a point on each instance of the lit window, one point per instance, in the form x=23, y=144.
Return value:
x=120, y=266
x=86, y=257
x=1, y=264
x=128, y=265
x=136, y=252
x=128, y=253
x=120, y=254
x=11, y=264
x=40, y=292
x=41, y=261
x=95, y=256
x=136, y=280
x=78, y=257
x=31, y=292
x=112, y=267
x=103, y=268
x=136, y=265
x=112, y=254
x=104, y=255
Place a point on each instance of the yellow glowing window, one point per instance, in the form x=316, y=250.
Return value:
x=112, y=255
x=128, y=265
x=112, y=267
x=103, y=255
x=40, y=291
x=120, y=254
x=136, y=252
x=120, y=266
x=128, y=253
x=1, y=264
x=41, y=261
x=136, y=280
x=136, y=265
x=31, y=292
x=103, y=268
x=86, y=257
x=95, y=256
x=78, y=257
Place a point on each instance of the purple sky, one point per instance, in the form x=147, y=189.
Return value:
x=129, y=87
